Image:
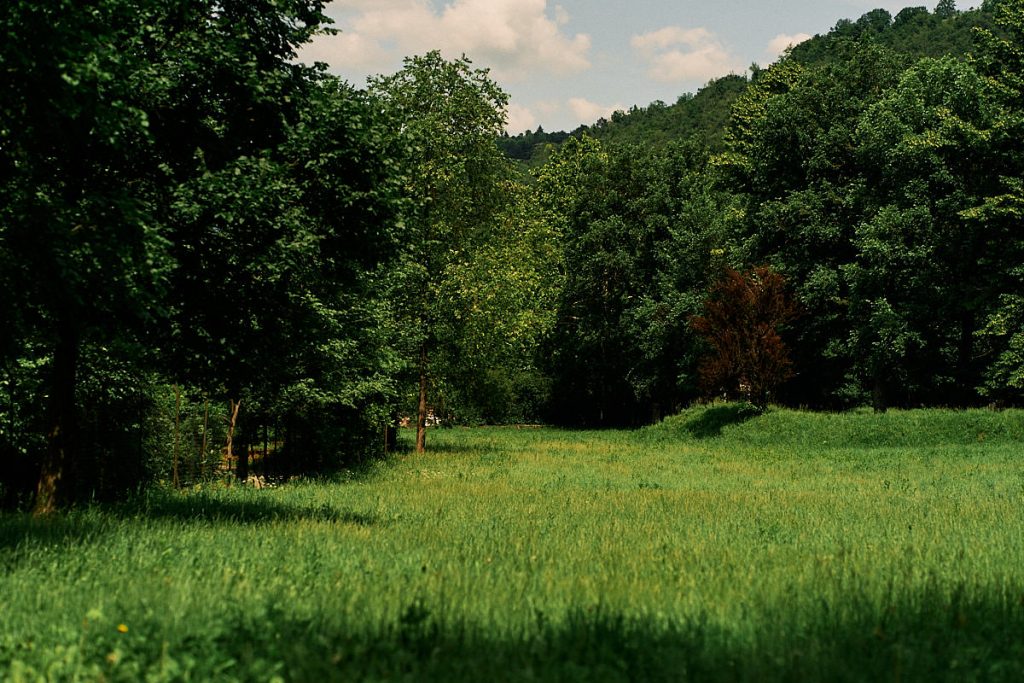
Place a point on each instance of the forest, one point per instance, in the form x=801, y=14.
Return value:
x=215, y=258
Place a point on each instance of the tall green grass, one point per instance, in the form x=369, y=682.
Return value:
x=718, y=545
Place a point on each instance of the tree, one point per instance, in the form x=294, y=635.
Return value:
x=275, y=258
x=742, y=320
x=946, y=9
x=210, y=261
x=1000, y=60
x=498, y=301
x=923, y=275
x=78, y=169
x=450, y=116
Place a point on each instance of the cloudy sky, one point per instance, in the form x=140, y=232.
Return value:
x=567, y=62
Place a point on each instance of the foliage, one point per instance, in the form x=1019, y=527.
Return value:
x=183, y=204
x=701, y=116
x=914, y=31
x=499, y=296
x=478, y=265
x=277, y=294
x=81, y=246
x=187, y=210
x=741, y=322
x=640, y=229
x=1000, y=60
x=922, y=275
x=857, y=176
x=527, y=145
x=884, y=186
x=705, y=114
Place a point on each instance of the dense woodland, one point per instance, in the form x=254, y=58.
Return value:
x=210, y=253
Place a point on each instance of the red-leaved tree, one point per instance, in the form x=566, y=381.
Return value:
x=741, y=322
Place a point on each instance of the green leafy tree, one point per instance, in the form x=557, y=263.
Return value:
x=276, y=252
x=923, y=275
x=81, y=248
x=792, y=161
x=588, y=361
x=498, y=299
x=1000, y=60
x=450, y=116
x=946, y=9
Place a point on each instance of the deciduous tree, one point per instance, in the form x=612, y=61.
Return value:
x=742, y=321
x=450, y=116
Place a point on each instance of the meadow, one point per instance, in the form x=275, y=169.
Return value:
x=718, y=545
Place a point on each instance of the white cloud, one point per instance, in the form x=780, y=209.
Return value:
x=677, y=54
x=561, y=15
x=778, y=44
x=350, y=49
x=588, y=112
x=520, y=119
x=515, y=38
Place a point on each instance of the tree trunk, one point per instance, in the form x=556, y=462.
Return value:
x=202, y=449
x=242, y=459
x=58, y=461
x=878, y=390
x=229, y=446
x=390, y=437
x=266, y=444
x=421, y=413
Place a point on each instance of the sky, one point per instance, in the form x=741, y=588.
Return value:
x=570, y=62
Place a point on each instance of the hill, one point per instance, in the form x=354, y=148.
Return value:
x=915, y=32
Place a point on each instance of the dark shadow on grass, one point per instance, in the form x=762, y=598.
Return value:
x=210, y=509
x=20, y=529
x=712, y=421
x=90, y=524
x=926, y=638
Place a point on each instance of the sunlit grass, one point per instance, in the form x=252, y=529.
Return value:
x=717, y=545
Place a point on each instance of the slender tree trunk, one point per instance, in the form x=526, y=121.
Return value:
x=421, y=413
x=58, y=461
x=242, y=464
x=202, y=449
x=266, y=444
x=390, y=436
x=229, y=446
x=12, y=401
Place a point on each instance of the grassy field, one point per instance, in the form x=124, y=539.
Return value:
x=715, y=546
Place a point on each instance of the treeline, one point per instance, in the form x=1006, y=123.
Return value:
x=884, y=188
x=704, y=116
x=214, y=257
